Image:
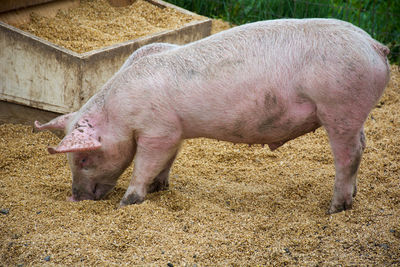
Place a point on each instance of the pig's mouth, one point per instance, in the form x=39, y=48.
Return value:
x=97, y=192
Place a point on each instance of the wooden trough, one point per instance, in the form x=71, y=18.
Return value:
x=40, y=74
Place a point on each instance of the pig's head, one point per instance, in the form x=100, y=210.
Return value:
x=96, y=156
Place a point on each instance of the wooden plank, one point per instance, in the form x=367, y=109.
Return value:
x=7, y=5
x=49, y=9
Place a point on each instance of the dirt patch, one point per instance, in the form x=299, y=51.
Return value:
x=227, y=205
x=96, y=24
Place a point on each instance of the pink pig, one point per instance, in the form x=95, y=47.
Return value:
x=261, y=83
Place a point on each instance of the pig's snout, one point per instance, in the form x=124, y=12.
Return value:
x=94, y=192
x=81, y=193
x=71, y=199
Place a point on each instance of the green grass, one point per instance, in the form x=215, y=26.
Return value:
x=380, y=18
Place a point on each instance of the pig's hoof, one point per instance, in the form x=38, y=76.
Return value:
x=158, y=186
x=335, y=208
x=133, y=198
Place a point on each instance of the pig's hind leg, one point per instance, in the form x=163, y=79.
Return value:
x=153, y=159
x=347, y=140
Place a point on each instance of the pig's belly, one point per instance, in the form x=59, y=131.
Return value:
x=256, y=126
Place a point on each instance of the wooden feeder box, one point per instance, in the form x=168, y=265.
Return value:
x=40, y=74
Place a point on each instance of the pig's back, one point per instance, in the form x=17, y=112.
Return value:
x=246, y=84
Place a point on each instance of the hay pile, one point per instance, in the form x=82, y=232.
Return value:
x=227, y=205
x=96, y=24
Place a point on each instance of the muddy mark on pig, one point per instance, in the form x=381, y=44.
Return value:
x=267, y=124
x=301, y=97
x=363, y=141
x=270, y=100
x=192, y=74
x=273, y=113
x=355, y=163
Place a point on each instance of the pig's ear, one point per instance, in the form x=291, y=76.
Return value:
x=77, y=141
x=58, y=123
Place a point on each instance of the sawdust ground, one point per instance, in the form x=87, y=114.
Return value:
x=227, y=205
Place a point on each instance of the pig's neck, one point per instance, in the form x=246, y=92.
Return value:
x=108, y=114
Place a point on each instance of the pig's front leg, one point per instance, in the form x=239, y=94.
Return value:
x=154, y=157
x=161, y=182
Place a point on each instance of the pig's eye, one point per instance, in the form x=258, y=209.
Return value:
x=84, y=163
